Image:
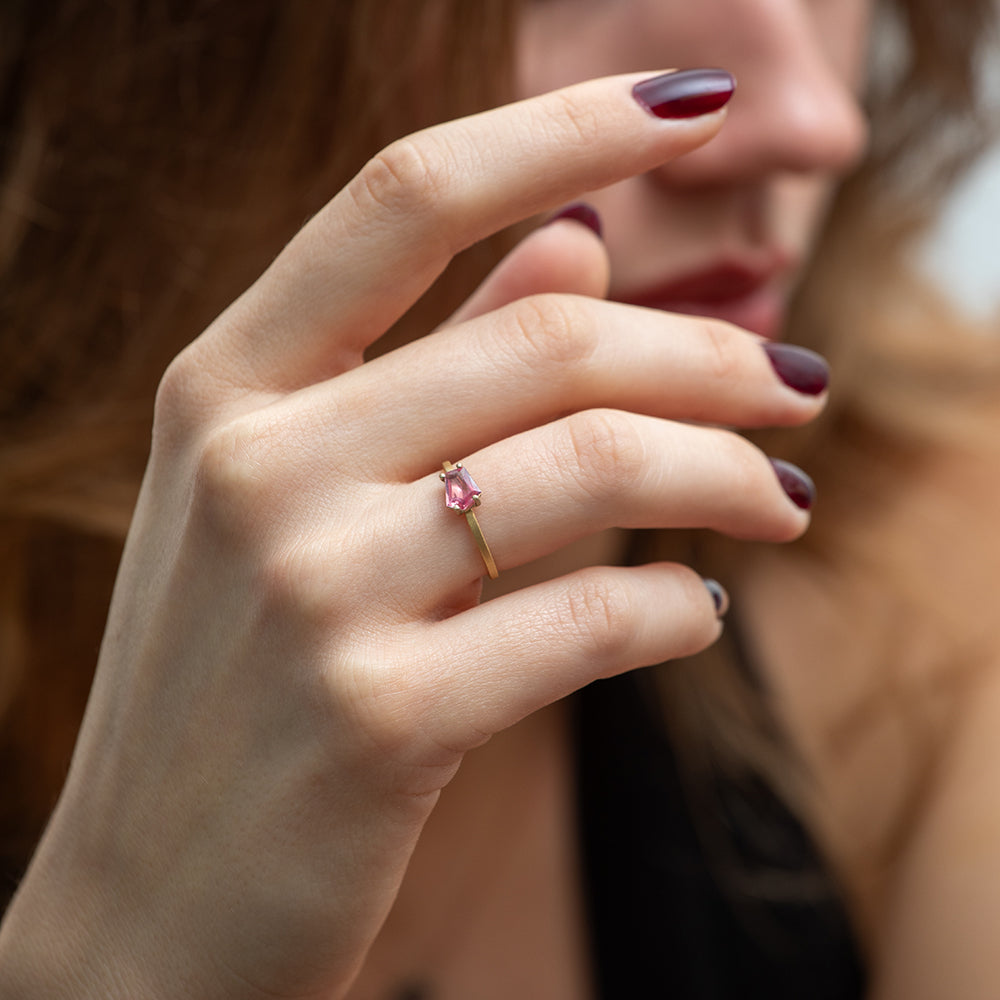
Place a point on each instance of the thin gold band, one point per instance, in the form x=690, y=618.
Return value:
x=477, y=531
x=484, y=549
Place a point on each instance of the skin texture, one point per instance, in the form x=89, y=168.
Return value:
x=758, y=192
x=278, y=706
x=297, y=659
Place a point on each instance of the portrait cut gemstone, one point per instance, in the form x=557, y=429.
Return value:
x=460, y=490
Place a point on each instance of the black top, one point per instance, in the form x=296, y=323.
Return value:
x=670, y=918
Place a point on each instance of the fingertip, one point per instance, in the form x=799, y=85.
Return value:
x=563, y=257
x=568, y=255
x=720, y=598
x=802, y=370
x=681, y=94
x=584, y=213
x=693, y=630
x=797, y=484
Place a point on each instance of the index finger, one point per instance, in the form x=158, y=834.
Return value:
x=363, y=261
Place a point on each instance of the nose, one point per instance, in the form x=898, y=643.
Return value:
x=794, y=110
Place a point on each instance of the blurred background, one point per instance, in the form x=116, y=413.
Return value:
x=963, y=251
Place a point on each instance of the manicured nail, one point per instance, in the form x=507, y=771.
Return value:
x=799, y=487
x=685, y=93
x=803, y=370
x=580, y=211
x=719, y=596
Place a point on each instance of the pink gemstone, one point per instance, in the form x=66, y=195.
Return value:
x=460, y=490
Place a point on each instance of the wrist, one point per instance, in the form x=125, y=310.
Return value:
x=60, y=940
x=41, y=959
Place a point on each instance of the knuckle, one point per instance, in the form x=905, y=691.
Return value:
x=299, y=581
x=384, y=702
x=722, y=351
x=173, y=390
x=579, y=116
x=606, y=453
x=290, y=584
x=191, y=392
x=741, y=458
x=178, y=395
x=554, y=331
x=601, y=611
x=742, y=462
x=409, y=176
x=231, y=480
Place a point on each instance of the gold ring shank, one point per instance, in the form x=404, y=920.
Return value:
x=484, y=549
x=469, y=497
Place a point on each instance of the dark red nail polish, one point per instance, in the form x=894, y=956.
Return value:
x=719, y=596
x=685, y=93
x=799, y=487
x=799, y=368
x=581, y=212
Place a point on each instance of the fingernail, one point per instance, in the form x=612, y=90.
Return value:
x=803, y=370
x=799, y=487
x=685, y=93
x=719, y=596
x=580, y=211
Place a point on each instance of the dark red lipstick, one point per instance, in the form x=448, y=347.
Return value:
x=748, y=296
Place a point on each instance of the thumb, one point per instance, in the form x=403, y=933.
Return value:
x=566, y=255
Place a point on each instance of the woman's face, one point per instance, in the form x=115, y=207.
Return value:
x=725, y=230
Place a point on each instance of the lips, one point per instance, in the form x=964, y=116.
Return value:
x=750, y=297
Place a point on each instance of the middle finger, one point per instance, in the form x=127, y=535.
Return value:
x=464, y=387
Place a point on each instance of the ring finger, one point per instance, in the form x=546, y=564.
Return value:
x=596, y=469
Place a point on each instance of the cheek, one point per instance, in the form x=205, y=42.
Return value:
x=560, y=42
x=564, y=41
x=801, y=204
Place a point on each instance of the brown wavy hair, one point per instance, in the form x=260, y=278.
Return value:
x=154, y=159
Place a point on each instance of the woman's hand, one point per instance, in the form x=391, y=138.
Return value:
x=295, y=660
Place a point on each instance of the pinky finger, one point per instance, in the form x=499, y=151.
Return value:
x=505, y=659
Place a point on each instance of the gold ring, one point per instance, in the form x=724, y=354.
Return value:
x=462, y=494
